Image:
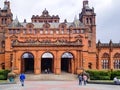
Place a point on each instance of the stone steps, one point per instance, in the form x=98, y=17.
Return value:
x=63, y=76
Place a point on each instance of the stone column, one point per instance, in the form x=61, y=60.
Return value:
x=37, y=64
x=111, y=61
x=57, y=64
x=99, y=61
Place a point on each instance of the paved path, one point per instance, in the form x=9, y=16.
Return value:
x=57, y=85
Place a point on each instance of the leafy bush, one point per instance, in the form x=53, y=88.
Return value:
x=99, y=75
x=115, y=74
x=4, y=74
x=2, y=77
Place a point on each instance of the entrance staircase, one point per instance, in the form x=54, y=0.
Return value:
x=50, y=77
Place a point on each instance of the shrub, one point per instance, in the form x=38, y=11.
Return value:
x=115, y=74
x=2, y=77
x=99, y=75
x=4, y=74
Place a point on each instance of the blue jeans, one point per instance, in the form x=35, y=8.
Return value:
x=80, y=82
x=85, y=82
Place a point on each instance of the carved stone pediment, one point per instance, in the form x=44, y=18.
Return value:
x=13, y=37
x=78, y=37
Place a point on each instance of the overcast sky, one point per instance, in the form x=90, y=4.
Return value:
x=107, y=13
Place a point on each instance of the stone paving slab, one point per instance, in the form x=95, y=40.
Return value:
x=57, y=85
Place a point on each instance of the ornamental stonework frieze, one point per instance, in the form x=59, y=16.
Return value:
x=47, y=43
x=13, y=37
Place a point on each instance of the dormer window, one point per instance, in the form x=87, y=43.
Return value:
x=46, y=31
x=30, y=31
x=24, y=31
x=62, y=31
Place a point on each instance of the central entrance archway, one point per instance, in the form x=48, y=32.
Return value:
x=47, y=63
x=66, y=62
x=27, y=63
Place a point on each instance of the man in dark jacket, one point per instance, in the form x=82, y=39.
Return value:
x=80, y=79
x=22, y=78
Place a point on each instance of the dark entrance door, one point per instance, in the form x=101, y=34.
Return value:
x=46, y=64
x=66, y=64
x=27, y=63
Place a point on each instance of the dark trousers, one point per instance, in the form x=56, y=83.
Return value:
x=80, y=82
x=22, y=82
x=85, y=82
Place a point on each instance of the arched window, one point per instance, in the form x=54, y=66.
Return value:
x=117, y=55
x=105, y=55
x=117, y=61
x=87, y=21
x=105, y=61
x=90, y=65
x=90, y=20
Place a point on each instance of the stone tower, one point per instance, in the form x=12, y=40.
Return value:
x=5, y=19
x=87, y=17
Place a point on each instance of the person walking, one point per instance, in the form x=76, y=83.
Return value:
x=85, y=79
x=80, y=79
x=22, y=78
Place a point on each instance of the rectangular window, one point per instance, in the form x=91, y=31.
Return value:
x=78, y=31
x=57, y=31
x=14, y=31
x=46, y=31
x=51, y=31
x=74, y=31
x=18, y=31
x=62, y=31
x=24, y=31
x=35, y=31
x=82, y=31
x=30, y=31
x=41, y=31
x=116, y=64
x=105, y=64
x=10, y=31
x=68, y=31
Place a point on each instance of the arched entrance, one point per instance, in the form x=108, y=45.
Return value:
x=47, y=63
x=66, y=62
x=27, y=63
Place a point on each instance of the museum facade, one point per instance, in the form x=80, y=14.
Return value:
x=45, y=43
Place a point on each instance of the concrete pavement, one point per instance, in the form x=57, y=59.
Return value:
x=57, y=85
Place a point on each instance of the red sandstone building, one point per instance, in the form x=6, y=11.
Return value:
x=46, y=43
